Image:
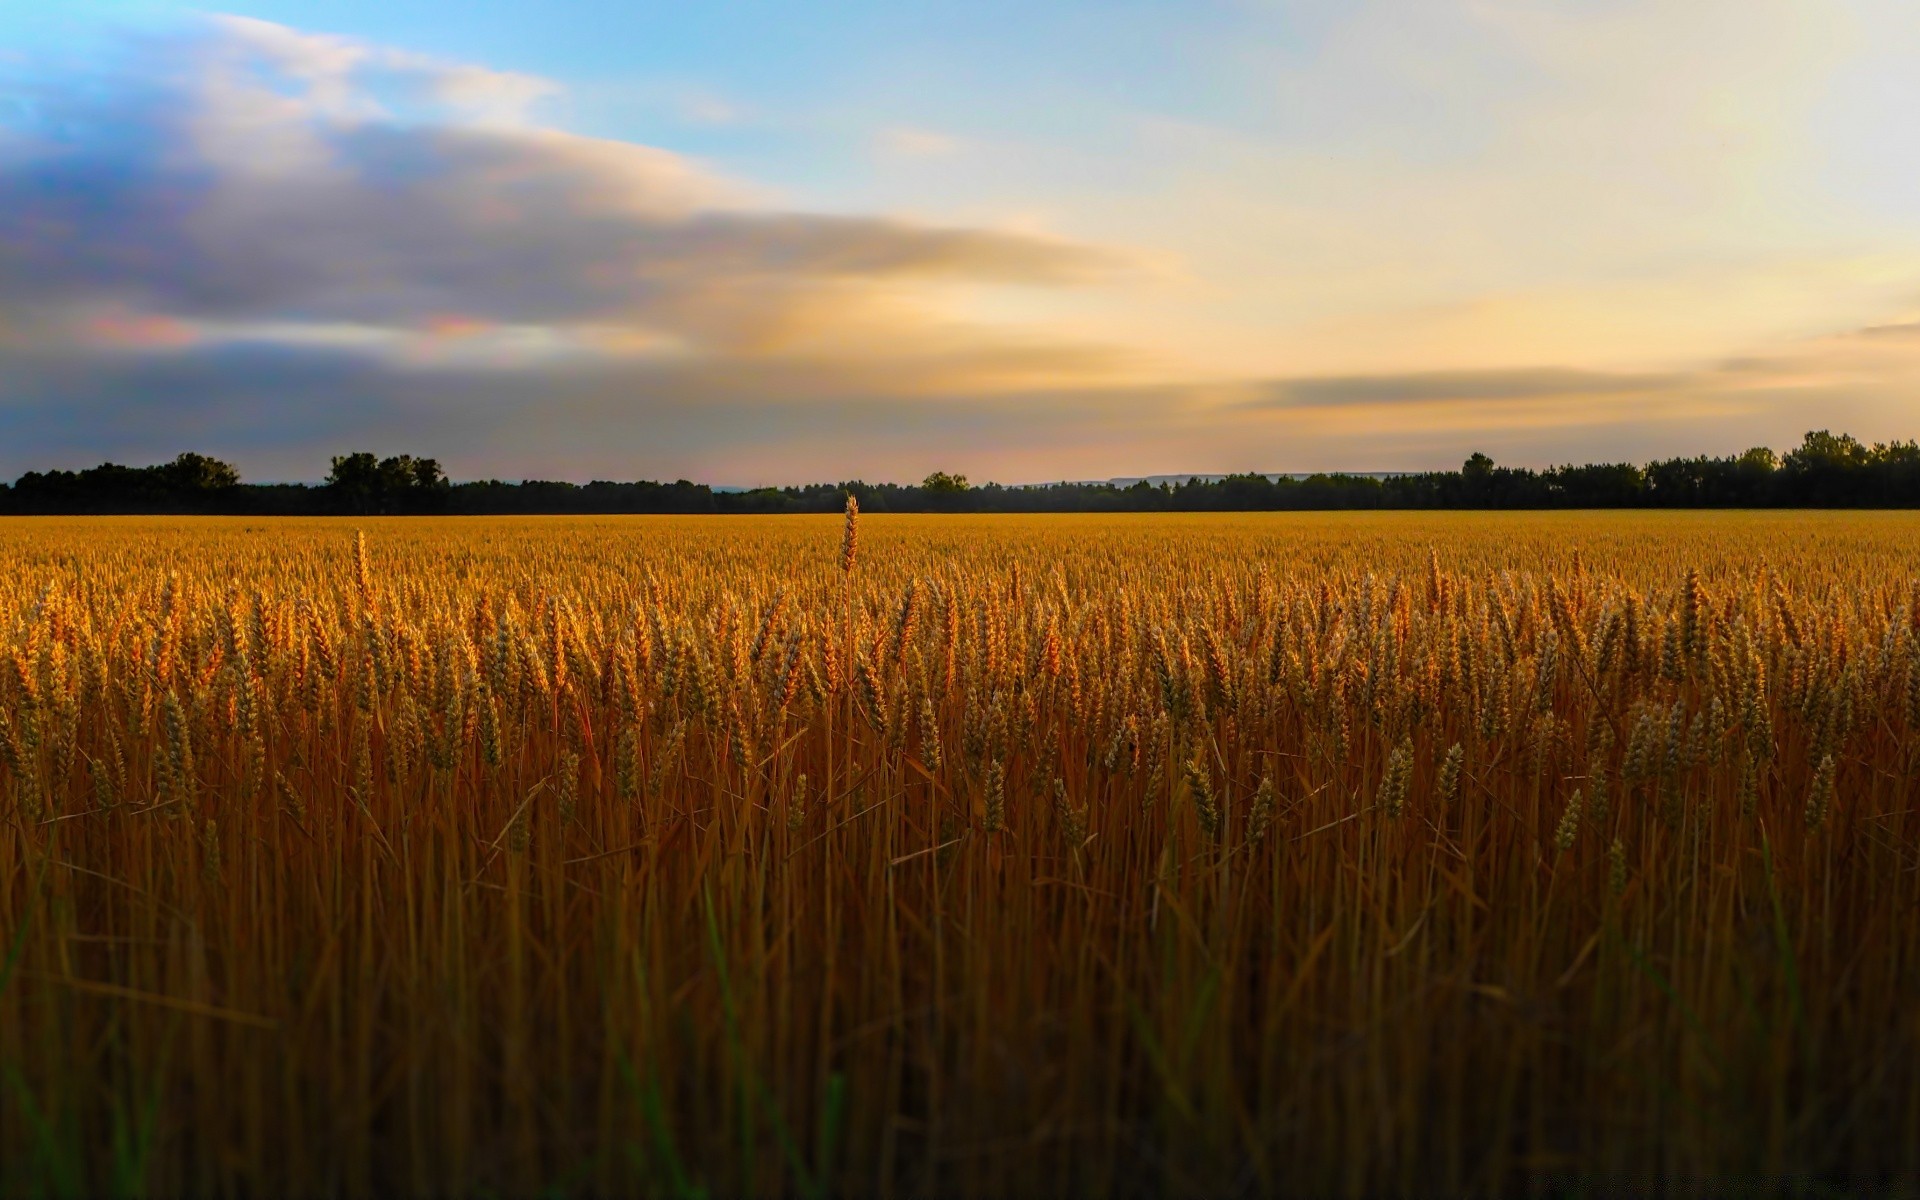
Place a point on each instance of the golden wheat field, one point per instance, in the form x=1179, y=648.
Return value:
x=1452, y=853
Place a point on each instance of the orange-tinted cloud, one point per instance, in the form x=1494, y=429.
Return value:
x=455, y=325
x=267, y=193
x=122, y=330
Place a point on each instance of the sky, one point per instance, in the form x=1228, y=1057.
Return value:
x=775, y=243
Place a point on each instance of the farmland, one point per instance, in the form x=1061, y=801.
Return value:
x=1000, y=855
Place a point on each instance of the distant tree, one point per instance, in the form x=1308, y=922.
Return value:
x=1597, y=485
x=1823, y=450
x=1678, y=482
x=361, y=483
x=1827, y=469
x=1899, y=469
x=1477, y=480
x=353, y=483
x=196, y=474
x=403, y=474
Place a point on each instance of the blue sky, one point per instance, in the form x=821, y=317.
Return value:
x=772, y=243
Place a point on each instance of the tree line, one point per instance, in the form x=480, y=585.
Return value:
x=1826, y=470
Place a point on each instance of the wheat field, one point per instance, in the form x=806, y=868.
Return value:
x=1456, y=853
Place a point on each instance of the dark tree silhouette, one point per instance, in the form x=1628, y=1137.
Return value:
x=1826, y=470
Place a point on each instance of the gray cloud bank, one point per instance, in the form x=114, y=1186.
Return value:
x=203, y=190
x=1419, y=387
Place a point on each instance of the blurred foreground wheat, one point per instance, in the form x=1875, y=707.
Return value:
x=1137, y=855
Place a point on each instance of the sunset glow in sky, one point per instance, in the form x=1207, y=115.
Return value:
x=771, y=243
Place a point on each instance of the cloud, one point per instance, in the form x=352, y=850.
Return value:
x=1428, y=387
x=335, y=72
x=1899, y=329
x=278, y=407
x=1862, y=379
x=1405, y=185
x=274, y=180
